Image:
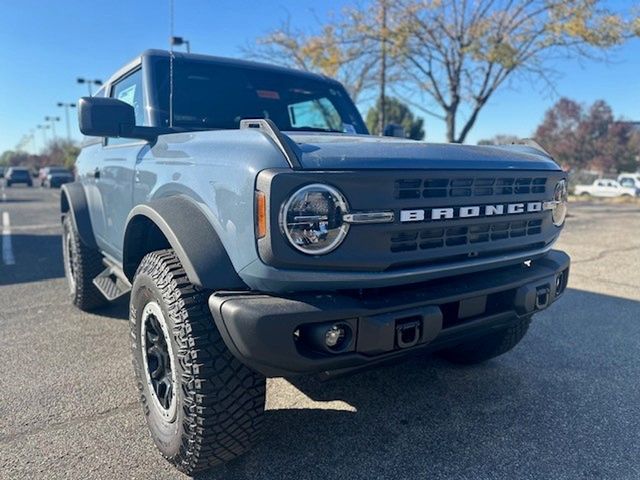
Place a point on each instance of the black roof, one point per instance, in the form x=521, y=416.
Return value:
x=157, y=53
x=233, y=62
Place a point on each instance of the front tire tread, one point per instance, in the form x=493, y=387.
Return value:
x=223, y=399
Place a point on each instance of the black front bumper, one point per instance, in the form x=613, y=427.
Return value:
x=284, y=335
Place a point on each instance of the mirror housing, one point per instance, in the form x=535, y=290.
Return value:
x=394, y=130
x=109, y=117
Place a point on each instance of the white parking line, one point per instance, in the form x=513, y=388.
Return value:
x=7, y=248
x=4, y=195
x=29, y=228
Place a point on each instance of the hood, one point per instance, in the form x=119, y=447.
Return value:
x=353, y=152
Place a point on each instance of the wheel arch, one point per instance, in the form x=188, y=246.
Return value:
x=177, y=222
x=74, y=200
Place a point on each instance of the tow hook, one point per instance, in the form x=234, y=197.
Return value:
x=408, y=333
x=543, y=295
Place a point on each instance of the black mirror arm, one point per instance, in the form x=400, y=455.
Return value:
x=150, y=134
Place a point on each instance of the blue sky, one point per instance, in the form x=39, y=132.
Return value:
x=45, y=45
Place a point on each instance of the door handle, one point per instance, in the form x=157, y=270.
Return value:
x=95, y=173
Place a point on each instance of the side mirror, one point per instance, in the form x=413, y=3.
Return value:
x=109, y=117
x=394, y=130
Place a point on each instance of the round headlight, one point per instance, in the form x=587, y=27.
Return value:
x=560, y=199
x=312, y=219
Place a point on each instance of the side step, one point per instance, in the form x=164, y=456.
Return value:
x=111, y=285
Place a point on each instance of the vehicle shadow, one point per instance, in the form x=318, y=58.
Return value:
x=563, y=404
x=37, y=257
x=118, y=309
x=20, y=200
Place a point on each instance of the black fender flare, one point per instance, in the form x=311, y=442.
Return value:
x=74, y=200
x=189, y=233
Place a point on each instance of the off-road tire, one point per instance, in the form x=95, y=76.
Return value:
x=220, y=401
x=488, y=346
x=86, y=265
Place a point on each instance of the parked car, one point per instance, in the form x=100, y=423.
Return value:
x=605, y=188
x=2, y=172
x=16, y=175
x=631, y=180
x=262, y=232
x=54, y=177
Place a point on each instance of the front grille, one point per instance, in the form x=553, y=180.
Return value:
x=429, y=238
x=467, y=187
x=436, y=238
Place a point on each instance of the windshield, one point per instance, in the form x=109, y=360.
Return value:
x=19, y=173
x=209, y=95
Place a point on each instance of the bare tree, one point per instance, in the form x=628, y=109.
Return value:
x=455, y=53
x=336, y=51
x=460, y=52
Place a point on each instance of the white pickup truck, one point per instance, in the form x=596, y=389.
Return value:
x=605, y=188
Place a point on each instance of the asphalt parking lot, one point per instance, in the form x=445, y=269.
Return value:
x=565, y=404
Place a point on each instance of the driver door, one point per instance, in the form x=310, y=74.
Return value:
x=115, y=174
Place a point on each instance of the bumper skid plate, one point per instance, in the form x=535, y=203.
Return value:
x=304, y=333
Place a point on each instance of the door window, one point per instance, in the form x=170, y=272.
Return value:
x=129, y=90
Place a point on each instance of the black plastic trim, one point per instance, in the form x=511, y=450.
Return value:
x=259, y=328
x=286, y=146
x=191, y=235
x=73, y=199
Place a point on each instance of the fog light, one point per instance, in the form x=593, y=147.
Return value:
x=334, y=336
x=330, y=337
x=561, y=282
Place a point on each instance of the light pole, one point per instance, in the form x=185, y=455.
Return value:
x=67, y=106
x=52, y=120
x=89, y=82
x=34, y=144
x=44, y=134
x=177, y=41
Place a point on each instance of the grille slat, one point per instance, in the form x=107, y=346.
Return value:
x=467, y=187
x=428, y=238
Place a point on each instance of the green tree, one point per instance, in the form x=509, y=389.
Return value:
x=398, y=113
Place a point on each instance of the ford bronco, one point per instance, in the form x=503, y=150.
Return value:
x=262, y=232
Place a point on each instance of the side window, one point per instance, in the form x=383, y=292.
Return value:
x=129, y=90
x=600, y=184
x=319, y=113
x=627, y=182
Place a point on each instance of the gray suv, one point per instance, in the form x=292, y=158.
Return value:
x=262, y=232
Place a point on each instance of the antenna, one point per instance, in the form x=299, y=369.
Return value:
x=171, y=16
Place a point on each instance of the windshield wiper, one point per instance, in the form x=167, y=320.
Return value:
x=314, y=129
